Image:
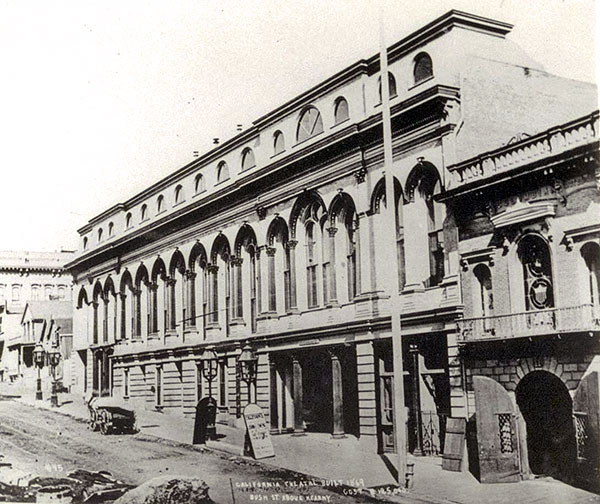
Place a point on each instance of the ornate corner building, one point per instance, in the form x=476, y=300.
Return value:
x=273, y=238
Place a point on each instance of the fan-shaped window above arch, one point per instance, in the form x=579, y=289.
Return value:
x=392, y=86
x=248, y=160
x=310, y=124
x=341, y=112
x=278, y=142
x=222, y=172
x=199, y=184
x=423, y=68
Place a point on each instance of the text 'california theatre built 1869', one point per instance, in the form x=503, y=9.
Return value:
x=273, y=239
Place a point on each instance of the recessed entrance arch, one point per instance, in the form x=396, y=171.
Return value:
x=547, y=409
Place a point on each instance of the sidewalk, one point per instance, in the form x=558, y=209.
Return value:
x=322, y=457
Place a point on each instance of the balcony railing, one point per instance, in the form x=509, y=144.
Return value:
x=532, y=323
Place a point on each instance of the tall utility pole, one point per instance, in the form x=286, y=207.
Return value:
x=391, y=264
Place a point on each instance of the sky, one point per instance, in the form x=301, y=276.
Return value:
x=101, y=99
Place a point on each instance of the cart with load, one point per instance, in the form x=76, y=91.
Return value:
x=108, y=414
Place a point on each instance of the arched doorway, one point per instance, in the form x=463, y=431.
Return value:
x=547, y=409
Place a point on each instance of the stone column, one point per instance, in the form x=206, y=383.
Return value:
x=416, y=399
x=259, y=281
x=298, y=419
x=273, y=396
x=291, y=245
x=338, y=397
x=105, y=320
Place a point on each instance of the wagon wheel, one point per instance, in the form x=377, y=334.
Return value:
x=104, y=419
x=93, y=423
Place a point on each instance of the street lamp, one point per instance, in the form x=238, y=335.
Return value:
x=209, y=371
x=38, y=359
x=54, y=357
x=209, y=366
x=248, y=363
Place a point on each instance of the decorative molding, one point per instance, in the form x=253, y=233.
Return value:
x=261, y=211
x=485, y=255
x=522, y=212
x=571, y=236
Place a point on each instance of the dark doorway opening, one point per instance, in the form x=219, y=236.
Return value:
x=316, y=392
x=547, y=409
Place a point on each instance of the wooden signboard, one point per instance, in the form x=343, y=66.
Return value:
x=454, y=444
x=258, y=433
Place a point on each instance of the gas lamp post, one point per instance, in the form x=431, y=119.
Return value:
x=54, y=357
x=209, y=362
x=38, y=359
x=248, y=364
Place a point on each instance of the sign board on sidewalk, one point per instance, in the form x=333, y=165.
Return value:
x=258, y=432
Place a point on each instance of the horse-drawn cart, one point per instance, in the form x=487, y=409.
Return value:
x=110, y=415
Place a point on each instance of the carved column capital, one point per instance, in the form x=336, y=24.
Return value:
x=270, y=251
x=332, y=231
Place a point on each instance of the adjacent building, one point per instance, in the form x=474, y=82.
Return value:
x=26, y=276
x=273, y=239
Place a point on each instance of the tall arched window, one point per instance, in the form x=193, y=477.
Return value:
x=144, y=212
x=99, y=235
x=35, y=292
x=310, y=124
x=222, y=172
x=423, y=68
x=311, y=264
x=248, y=160
x=160, y=204
x=484, y=298
x=341, y=110
x=534, y=255
x=278, y=142
x=392, y=86
x=199, y=184
x=178, y=194
x=111, y=229
x=591, y=255
x=128, y=221
x=85, y=243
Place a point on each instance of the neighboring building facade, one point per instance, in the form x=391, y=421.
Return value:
x=49, y=323
x=528, y=218
x=273, y=238
x=27, y=276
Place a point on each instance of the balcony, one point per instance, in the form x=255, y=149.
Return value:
x=583, y=318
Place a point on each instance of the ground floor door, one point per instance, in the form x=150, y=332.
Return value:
x=547, y=409
x=101, y=373
x=497, y=439
x=586, y=421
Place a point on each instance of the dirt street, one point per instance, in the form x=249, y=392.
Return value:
x=45, y=443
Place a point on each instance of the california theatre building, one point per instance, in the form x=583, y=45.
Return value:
x=272, y=239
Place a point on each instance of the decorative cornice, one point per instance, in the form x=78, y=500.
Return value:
x=523, y=212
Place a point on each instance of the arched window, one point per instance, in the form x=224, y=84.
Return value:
x=591, y=256
x=423, y=68
x=534, y=254
x=341, y=110
x=278, y=142
x=99, y=235
x=111, y=229
x=178, y=194
x=309, y=125
x=199, y=184
x=35, y=292
x=311, y=265
x=144, y=213
x=484, y=298
x=61, y=292
x=248, y=160
x=160, y=204
x=85, y=243
x=222, y=172
x=392, y=86
x=128, y=220
x=16, y=292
